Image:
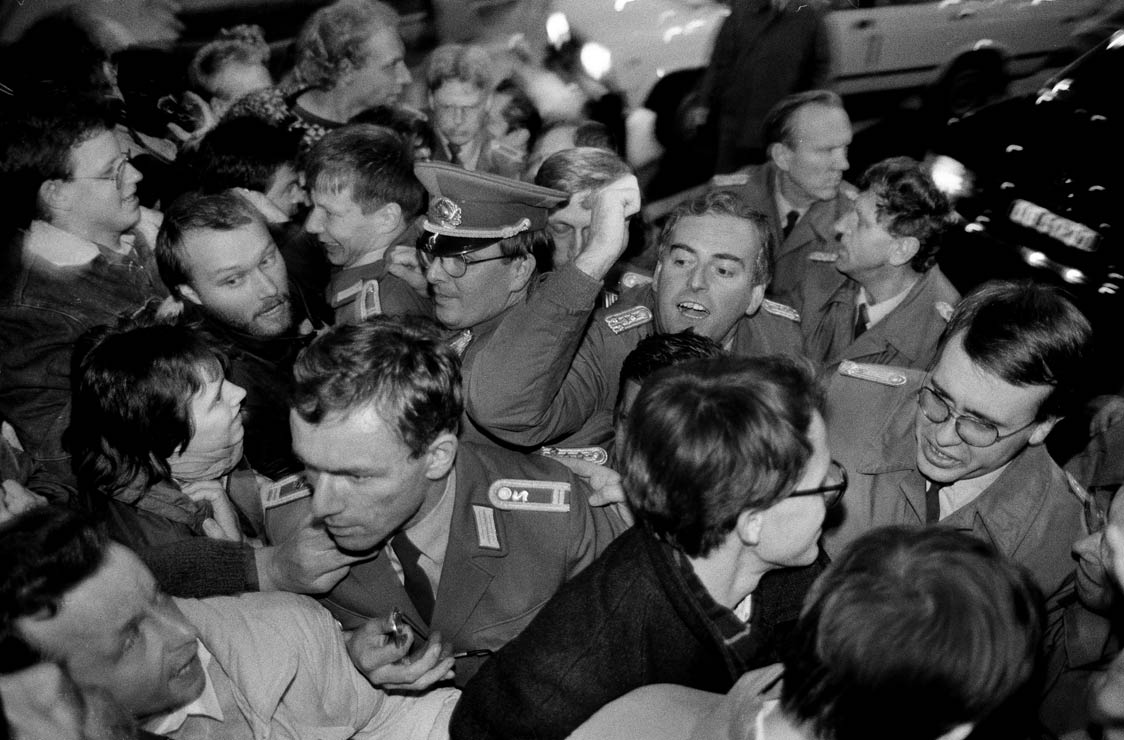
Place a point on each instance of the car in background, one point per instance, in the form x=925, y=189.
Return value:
x=1036, y=183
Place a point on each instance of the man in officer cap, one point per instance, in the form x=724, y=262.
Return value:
x=549, y=380
x=467, y=542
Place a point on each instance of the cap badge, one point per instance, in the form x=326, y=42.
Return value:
x=447, y=212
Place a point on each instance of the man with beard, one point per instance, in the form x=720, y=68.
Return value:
x=216, y=255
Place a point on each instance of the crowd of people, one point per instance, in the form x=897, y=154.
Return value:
x=330, y=412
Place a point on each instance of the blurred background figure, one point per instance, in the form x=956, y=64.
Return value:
x=234, y=64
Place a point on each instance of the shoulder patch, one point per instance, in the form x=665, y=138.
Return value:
x=595, y=455
x=944, y=310
x=823, y=256
x=628, y=319
x=779, y=309
x=728, y=181
x=881, y=374
x=514, y=494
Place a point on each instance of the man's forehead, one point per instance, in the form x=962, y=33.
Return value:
x=815, y=124
x=215, y=250
x=980, y=391
x=714, y=235
x=95, y=152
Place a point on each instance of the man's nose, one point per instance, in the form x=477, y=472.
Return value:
x=325, y=496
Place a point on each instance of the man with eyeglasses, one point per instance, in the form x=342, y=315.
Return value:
x=81, y=255
x=962, y=446
x=460, y=82
x=728, y=473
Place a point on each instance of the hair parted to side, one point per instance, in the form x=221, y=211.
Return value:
x=581, y=168
x=708, y=439
x=46, y=551
x=1027, y=334
x=911, y=632
x=132, y=402
x=460, y=63
x=726, y=203
x=374, y=162
x=909, y=204
x=778, y=127
x=400, y=367
x=225, y=211
x=333, y=40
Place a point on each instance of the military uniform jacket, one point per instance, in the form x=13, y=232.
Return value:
x=815, y=232
x=353, y=292
x=493, y=580
x=906, y=337
x=1030, y=513
x=495, y=157
x=545, y=378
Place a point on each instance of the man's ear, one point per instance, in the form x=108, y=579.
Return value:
x=904, y=249
x=54, y=195
x=187, y=293
x=440, y=456
x=781, y=155
x=523, y=269
x=748, y=526
x=1042, y=430
x=389, y=218
x=756, y=298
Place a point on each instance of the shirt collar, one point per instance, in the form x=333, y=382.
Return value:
x=963, y=492
x=206, y=705
x=783, y=204
x=878, y=311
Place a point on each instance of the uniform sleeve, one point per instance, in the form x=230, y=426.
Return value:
x=591, y=529
x=536, y=379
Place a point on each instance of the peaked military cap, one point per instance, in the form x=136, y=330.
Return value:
x=472, y=210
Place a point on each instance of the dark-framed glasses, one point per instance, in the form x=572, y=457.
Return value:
x=456, y=265
x=974, y=432
x=119, y=172
x=833, y=487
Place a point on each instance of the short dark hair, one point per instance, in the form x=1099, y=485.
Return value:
x=243, y=152
x=401, y=367
x=581, y=168
x=410, y=124
x=225, y=211
x=778, y=127
x=1027, y=334
x=46, y=552
x=132, y=402
x=706, y=440
x=373, y=161
x=909, y=204
x=911, y=632
x=726, y=203
x=37, y=136
x=520, y=111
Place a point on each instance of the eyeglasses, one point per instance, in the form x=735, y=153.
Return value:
x=1096, y=502
x=973, y=432
x=456, y=265
x=118, y=175
x=833, y=488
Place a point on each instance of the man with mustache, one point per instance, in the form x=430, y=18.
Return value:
x=81, y=255
x=216, y=255
x=547, y=379
x=962, y=446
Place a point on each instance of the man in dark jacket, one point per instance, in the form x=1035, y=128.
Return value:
x=727, y=470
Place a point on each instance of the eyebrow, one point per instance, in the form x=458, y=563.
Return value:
x=719, y=256
x=965, y=412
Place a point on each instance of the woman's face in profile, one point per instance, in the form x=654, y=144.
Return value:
x=216, y=444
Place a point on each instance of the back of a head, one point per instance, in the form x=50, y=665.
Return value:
x=244, y=152
x=46, y=552
x=912, y=633
x=400, y=367
x=580, y=168
x=778, y=125
x=37, y=136
x=35, y=58
x=708, y=439
x=1026, y=334
x=243, y=44
x=333, y=39
x=410, y=124
x=373, y=162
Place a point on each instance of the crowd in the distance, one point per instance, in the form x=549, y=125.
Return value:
x=328, y=415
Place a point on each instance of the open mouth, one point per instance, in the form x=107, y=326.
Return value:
x=693, y=310
x=275, y=309
x=939, y=458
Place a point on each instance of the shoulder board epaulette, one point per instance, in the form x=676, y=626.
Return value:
x=881, y=374
x=530, y=495
x=779, y=309
x=944, y=310
x=368, y=302
x=632, y=279
x=729, y=181
x=595, y=455
x=823, y=256
x=628, y=318
x=1076, y=488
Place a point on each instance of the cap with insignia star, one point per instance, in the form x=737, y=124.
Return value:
x=472, y=210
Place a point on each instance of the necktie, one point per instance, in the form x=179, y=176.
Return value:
x=862, y=318
x=933, y=503
x=455, y=155
x=790, y=220
x=414, y=579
